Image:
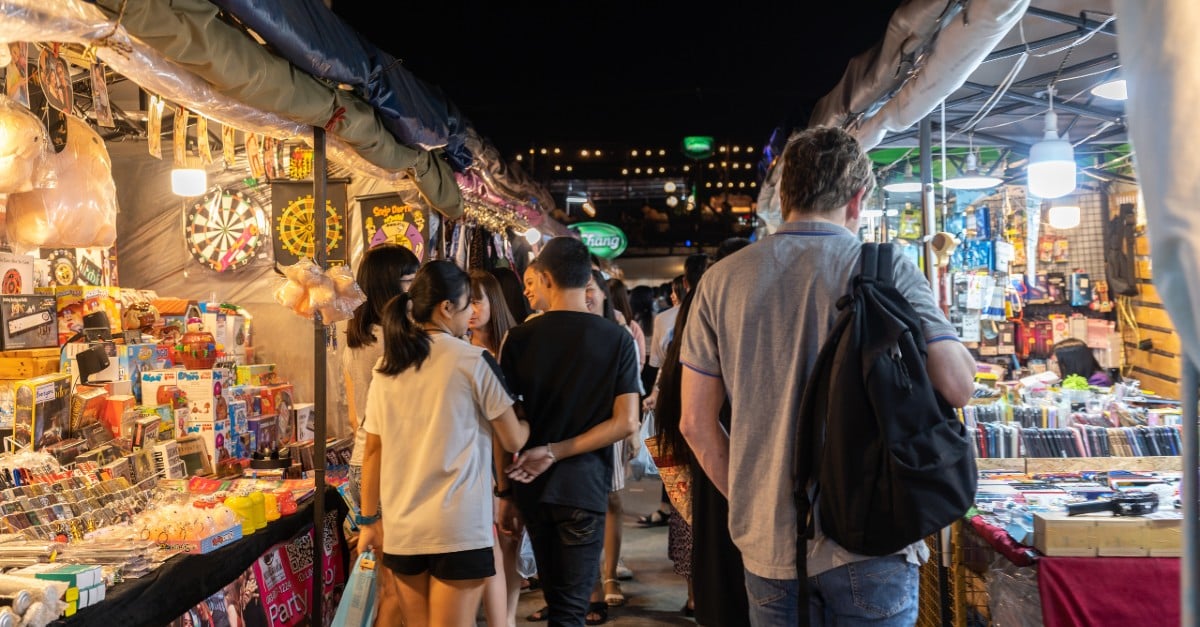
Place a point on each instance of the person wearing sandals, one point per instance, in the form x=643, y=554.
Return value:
x=576, y=377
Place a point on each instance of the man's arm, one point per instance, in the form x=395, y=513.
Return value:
x=623, y=423
x=701, y=397
x=951, y=369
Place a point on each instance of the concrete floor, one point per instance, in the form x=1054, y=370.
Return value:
x=655, y=594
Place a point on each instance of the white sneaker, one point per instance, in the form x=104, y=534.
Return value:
x=623, y=572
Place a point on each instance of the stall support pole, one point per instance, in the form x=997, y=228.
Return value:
x=1189, y=575
x=320, y=176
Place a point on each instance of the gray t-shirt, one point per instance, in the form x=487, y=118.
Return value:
x=758, y=321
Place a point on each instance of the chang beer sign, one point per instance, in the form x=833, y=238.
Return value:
x=604, y=240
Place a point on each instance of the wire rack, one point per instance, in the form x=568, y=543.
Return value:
x=967, y=595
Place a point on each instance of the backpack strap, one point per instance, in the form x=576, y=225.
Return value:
x=876, y=264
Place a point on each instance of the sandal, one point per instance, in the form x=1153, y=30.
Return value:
x=539, y=615
x=613, y=597
x=656, y=519
x=598, y=609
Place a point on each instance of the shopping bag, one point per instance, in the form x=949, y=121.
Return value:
x=641, y=465
x=676, y=478
x=358, y=607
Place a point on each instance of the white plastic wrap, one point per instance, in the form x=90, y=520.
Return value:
x=333, y=293
x=24, y=148
x=80, y=211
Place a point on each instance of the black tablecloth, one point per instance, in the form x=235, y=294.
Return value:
x=183, y=581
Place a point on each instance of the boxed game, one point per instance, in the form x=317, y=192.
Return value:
x=238, y=427
x=87, y=406
x=132, y=360
x=263, y=432
x=204, y=389
x=277, y=399
x=41, y=410
x=306, y=415
x=73, y=302
x=256, y=374
x=27, y=321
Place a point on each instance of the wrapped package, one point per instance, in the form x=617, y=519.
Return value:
x=333, y=293
x=80, y=211
x=24, y=149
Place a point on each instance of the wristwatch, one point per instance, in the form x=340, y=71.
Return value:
x=361, y=520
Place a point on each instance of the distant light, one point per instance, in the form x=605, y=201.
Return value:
x=741, y=183
x=570, y=168
x=736, y=165
x=1113, y=90
x=687, y=168
x=584, y=153
x=672, y=201
x=531, y=151
x=711, y=165
x=669, y=187
x=557, y=151
x=558, y=168
x=589, y=209
x=708, y=183
x=633, y=153
x=753, y=184
x=662, y=152
x=624, y=170
x=720, y=184
x=687, y=243
x=736, y=148
x=544, y=151
x=597, y=152
x=520, y=158
x=724, y=164
x=533, y=236
x=749, y=149
x=637, y=170
x=661, y=170
x=722, y=149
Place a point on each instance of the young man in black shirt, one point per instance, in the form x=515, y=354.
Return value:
x=576, y=379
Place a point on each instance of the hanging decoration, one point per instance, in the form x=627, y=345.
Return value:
x=16, y=76
x=55, y=79
x=225, y=230
x=154, y=114
x=292, y=203
x=100, y=102
x=395, y=219
x=493, y=211
x=333, y=293
x=300, y=165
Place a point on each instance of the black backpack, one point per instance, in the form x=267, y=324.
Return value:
x=889, y=461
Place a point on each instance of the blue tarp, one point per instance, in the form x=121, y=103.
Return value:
x=315, y=40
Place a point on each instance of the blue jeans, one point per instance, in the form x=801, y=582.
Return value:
x=880, y=592
x=567, y=542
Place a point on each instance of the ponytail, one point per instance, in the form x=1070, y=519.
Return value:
x=405, y=343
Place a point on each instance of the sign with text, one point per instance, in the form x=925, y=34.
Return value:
x=395, y=219
x=603, y=240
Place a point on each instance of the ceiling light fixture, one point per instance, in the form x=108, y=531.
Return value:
x=672, y=201
x=905, y=184
x=1112, y=90
x=189, y=181
x=1052, y=169
x=970, y=178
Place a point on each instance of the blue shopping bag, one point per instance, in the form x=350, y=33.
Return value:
x=358, y=606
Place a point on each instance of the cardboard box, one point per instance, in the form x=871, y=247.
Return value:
x=278, y=400
x=41, y=410
x=87, y=406
x=306, y=416
x=263, y=431
x=73, y=302
x=28, y=321
x=133, y=359
x=80, y=576
x=216, y=438
x=239, y=428
x=27, y=363
x=115, y=408
x=256, y=374
x=16, y=273
x=204, y=389
x=1105, y=535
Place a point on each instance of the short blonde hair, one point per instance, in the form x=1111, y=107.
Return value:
x=823, y=168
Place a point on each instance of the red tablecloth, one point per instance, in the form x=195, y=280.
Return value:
x=1103, y=591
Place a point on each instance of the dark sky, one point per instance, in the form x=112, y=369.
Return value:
x=621, y=73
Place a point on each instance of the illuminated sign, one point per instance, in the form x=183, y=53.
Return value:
x=603, y=240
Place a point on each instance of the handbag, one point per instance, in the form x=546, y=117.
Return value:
x=676, y=478
x=358, y=605
x=641, y=464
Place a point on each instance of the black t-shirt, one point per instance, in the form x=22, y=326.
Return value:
x=566, y=368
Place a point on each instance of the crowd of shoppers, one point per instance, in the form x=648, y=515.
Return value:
x=493, y=407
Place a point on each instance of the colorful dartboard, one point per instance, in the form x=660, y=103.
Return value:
x=295, y=228
x=12, y=282
x=225, y=230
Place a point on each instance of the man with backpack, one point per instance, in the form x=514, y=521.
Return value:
x=759, y=321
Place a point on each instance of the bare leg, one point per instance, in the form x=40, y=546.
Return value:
x=495, y=597
x=413, y=599
x=612, y=550
x=453, y=603
x=390, y=610
x=510, y=548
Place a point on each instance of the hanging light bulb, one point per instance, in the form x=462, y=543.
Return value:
x=1112, y=90
x=970, y=178
x=1052, y=168
x=906, y=184
x=189, y=181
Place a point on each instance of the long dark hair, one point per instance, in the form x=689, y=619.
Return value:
x=405, y=342
x=378, y=275
x=1074, y=356
x=484, y=285
x=514, y=292
x=641, y=301
x=667, y=409
x=620, y=299
x=608, y=312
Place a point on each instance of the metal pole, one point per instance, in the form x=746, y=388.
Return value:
x=320, y=176
x=1189, y=573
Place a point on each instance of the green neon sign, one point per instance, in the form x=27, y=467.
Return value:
x=603, y=240
x=698, y=146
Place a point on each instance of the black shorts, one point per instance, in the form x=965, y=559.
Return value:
x=473, y=564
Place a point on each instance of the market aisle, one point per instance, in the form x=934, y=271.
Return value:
x=656, y=593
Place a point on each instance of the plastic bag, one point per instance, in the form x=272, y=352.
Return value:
x=526, y=562
x=24, y=148
x=641, y=465
x=333, y=293
x=358, y=606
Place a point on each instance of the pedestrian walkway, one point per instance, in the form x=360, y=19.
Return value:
x=655, y=594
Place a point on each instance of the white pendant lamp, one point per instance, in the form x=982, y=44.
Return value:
x=1112, y=90
x=970, y=178
x=1052, y=169
x=189, y=181
x=906, y=184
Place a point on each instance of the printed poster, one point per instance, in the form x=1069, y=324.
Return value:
x=395, y=219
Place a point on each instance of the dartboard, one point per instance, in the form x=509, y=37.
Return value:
x=62, y=266
x=12, y=282
x=295, y=232
x=225, y=230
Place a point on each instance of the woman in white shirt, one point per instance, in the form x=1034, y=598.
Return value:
x=433, y=406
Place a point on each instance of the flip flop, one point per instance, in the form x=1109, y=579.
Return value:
x=539, y=615
x=597, y=608
x=656, y=519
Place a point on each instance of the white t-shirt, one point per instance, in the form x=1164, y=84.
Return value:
x=664, y=330
x=359, y=365
x=436, y=461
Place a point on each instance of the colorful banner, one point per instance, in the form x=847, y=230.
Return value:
x=292, y=221
x=277, y=589
x=395, y=219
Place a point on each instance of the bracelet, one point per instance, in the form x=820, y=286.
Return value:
x=550, y=453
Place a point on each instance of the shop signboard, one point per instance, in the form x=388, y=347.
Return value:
x=603, y=240
x=395, y=219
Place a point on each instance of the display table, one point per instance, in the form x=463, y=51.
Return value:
x=185, y=580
